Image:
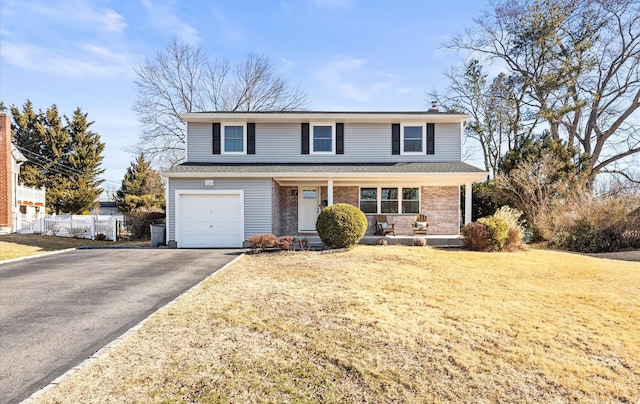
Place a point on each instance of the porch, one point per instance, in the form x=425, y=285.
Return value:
x=27, y=196
x=296, y=207
x=433, y=241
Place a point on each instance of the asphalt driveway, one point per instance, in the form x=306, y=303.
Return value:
x=57, y=310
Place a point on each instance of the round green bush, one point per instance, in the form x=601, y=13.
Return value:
x=341, y=225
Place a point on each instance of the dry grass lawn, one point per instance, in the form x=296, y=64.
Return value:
x=23, y=245
x=386, y=324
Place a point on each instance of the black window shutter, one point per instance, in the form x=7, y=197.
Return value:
x=395, y=138
x=251, y=138
x=305, y=138
x=216, y=138
x=339, y=138
x=431, y=141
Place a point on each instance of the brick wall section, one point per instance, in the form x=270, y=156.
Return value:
x=442, y=207
x=5, y=170
x=288, y=212
x=275, y=208
x=346, y=195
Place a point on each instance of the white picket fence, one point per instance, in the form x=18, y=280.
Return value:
x=77, y=226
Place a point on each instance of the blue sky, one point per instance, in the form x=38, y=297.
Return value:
x=346, y=54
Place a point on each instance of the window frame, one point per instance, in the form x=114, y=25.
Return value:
x=312, y=126
x=423, y=143
x=377, y=200
x=400, y=199
x=223, y=134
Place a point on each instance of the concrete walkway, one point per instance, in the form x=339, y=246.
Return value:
x=57, y=310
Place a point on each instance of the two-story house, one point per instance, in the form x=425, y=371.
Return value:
x=250, y=173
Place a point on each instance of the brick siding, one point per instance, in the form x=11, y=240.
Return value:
x=5, y=170
x=440, y=204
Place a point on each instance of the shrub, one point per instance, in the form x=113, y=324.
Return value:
x=514, y=240
x=286, y=242
x=477, y=237
x=511, y=217
x=594, y=224
x=101, y=237
x=139, y=222
x=499, y=230
x=262, y=241
x=341, y=225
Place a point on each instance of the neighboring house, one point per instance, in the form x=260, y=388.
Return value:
x=250, y=173
x=14, y=199
x=109, y=208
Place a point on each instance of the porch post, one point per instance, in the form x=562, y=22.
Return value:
x=329, y=192
x=467, y=203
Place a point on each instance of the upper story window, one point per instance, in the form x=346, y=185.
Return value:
x=234, y=139
x=322, y=139
x=413, y=139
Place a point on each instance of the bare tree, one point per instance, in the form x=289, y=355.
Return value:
x=499, y=117
x=181, y=79
x=535, y=188
x=579, y=63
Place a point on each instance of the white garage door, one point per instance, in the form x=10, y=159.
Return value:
x=210, y=220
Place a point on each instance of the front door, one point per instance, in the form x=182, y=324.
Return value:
x=308, y=208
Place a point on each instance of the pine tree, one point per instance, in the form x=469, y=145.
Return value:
x=141, y=187
x=85, y=157
x=64, y=158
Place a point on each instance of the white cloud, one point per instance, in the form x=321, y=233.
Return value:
x=162, y=16
x=82, y=13
x=353, y=79
x=80, y=61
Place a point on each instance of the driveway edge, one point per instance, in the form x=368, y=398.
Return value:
x=44, y=254
x=107, y=348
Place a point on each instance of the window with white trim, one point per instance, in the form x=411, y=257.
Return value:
x=412, y=139
x=234, y=139
x=390, y=200
x=410, y=200
x=369, y=200
x=322, y=139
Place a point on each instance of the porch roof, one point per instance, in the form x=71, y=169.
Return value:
x=429, y=172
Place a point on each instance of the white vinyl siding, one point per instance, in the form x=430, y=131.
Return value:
x=363, y=143
x=257, y=200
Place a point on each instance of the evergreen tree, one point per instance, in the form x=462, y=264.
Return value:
x=64, y=158
x=141, y=187
x=85, y=157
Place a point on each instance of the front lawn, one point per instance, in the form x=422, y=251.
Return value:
x=22, y=245
x=386, y=324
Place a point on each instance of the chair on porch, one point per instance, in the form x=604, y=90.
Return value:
x=420, y=225
x=383, y=227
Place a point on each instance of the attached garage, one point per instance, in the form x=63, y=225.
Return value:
x=209, y=219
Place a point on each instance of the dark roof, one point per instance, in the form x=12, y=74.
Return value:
x=342, y=168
